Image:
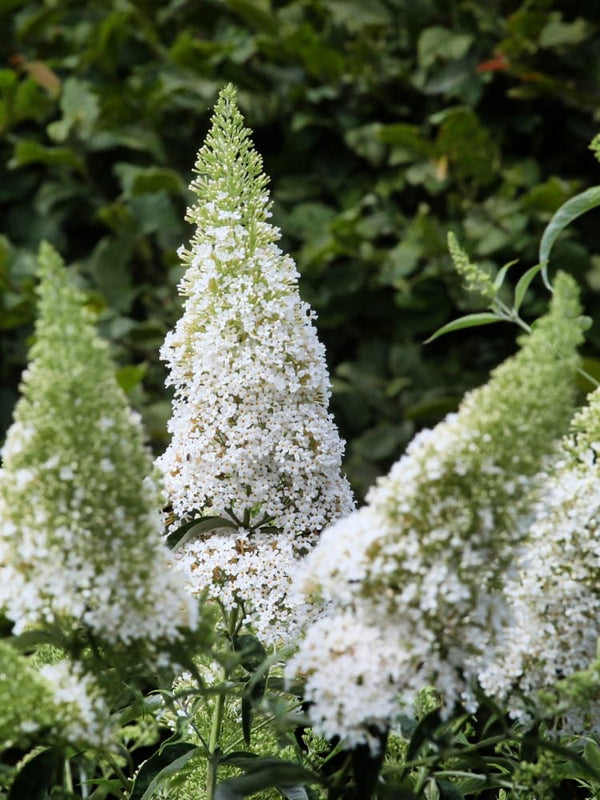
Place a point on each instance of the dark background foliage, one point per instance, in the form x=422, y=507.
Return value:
x=383, y=124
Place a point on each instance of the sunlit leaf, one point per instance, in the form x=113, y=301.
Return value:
x=499, y=279
x=523, y=284
x=469, y=321
x=195, y=527
x=568, y=212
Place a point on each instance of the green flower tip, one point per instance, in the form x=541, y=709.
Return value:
x=50, y=264
x=560, y=331
x=566, y=301
x=58, y=299
x=474, y=278
x=595, y=146
x=226, y=107
x=228, y=94
x=230, y=178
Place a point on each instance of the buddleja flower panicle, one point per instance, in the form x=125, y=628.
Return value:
x=422, y=560
x=554, y=598
x=80, y=525
x=252, y=438
x=53, y=703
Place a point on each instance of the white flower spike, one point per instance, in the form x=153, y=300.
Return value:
x=422, y=561
x=252, y=439
x=80, y=526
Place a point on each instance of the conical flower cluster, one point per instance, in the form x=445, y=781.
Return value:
x=80, y=527
x=554, y=599
x=252, y=439
x=421, y=561
x=57, y=702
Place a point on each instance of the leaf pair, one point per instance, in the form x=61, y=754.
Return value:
x=566, y=214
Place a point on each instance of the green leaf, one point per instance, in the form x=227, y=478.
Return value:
x=432, y=407
x=80, y=107
x=589, y=770
x=591, y=754
x=196, y=526
x=469, y=321
x=246, y=719
x=442, y=43
x=35, y=778
x=499, y=279
x=252, y=652
x=448, y=791
x=8, y=77
x=529, y=745
x=293, y=792
x=131, y=375
x=403, y=134
x=396, y=791
x=381, y=442
x=265, y=773
x=424, y=732
x=33, y=638
x=30, y=152
x=359, y=14
x=523, y=284
x=144, y=180
x=568, y=212
x=257, y=13
x=467, y=143
x=557, y=33
x=239, y=758
x=133, y=137
x=366, y=766
x=109, y=264
x=160, y=766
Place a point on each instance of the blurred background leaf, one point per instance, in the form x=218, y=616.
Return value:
x=383, y=124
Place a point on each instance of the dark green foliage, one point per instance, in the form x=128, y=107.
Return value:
x=383, y=124
x=166, y=761
x=37, y=776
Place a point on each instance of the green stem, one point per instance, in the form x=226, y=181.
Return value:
x=449, y=753
x=68, y=778
x=488, y=780
x=218, y=712
x=263, y=724
x=213, y=746
x=588, y=377
x=125, y=781
x=421, y=780
x=339, y=779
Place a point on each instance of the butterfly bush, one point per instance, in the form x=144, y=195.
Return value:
x=554, y=629
x=57, y=702
x=80, y=525
x=252, y=439
x=421, y=561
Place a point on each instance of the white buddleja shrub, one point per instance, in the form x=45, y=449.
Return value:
x=421, y=561
x=80, y=525
x=555, y=596
x=54, y=703
x=252, y=439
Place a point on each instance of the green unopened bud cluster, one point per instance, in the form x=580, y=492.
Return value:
x=475, y=279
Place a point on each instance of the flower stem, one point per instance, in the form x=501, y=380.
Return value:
x=217, y=717
x=213, y=746
x=126, y=782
